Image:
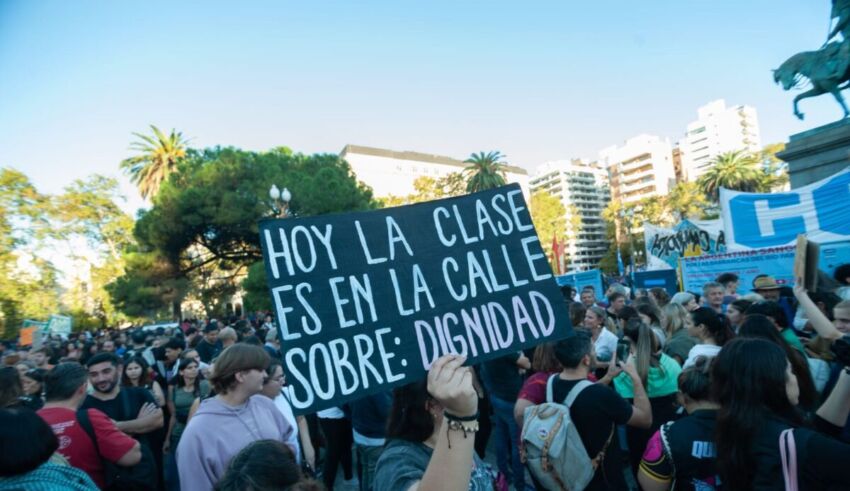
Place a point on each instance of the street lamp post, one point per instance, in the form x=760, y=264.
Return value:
x=280, y=201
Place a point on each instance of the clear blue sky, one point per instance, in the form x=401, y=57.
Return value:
x=535, y=80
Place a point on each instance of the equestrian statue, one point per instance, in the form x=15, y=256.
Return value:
x=827, y=69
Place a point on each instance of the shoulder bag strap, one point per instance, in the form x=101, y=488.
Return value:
x=85, y=424
x=788, y=453
x=549, y=388
x=597, y=461
x=575, y=391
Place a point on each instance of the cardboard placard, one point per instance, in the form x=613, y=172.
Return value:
x=806, y=258
x=27, y=335
x=59, y=324
x=367, y=301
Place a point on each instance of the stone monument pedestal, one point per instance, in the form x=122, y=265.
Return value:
x=817, y=153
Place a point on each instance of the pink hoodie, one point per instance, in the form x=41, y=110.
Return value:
x=217, y=432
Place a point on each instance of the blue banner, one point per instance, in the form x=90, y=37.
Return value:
x=777, y=262
x=819, y=210
x=582, y=279
x=833, y=255
x=665, y=278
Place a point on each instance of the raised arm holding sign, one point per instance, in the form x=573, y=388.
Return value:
x=369, y=300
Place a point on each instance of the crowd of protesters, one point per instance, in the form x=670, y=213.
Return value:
x=691, y=391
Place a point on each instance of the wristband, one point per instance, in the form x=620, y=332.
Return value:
x=451, y=417
x=467, y=427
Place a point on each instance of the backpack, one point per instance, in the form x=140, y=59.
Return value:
x=139, y=477
x=551, y=446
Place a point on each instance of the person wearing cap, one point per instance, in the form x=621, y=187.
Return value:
x=769, y=289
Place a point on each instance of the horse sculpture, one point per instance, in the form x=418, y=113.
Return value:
x=827, y=69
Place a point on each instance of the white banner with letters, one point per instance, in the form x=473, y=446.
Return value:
x=820, y=210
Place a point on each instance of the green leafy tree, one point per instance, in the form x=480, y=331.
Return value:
x=485, y=171
x=149, y=288
x=210, y=210
x=550, y=220
x=686, y=200
x=622, y=217
x=574, y=221
x=736, y=170
x=429, y=189
x=775, y=176
x=652, y=209
x=256, y=289
x=204, y=222
x=28, y=283
x=89, y=209
x=608, y=263
x=157, y=158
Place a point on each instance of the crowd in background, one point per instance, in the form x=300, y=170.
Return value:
x=689, y=391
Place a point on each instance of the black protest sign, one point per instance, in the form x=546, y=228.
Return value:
x=367, y=301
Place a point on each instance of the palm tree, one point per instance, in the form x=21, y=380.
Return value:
x=736, y=170
x=485, y=171
x=158, y=157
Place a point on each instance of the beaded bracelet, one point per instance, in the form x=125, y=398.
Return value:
x=467, y=425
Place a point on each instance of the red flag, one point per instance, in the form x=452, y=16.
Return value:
x=557, y=252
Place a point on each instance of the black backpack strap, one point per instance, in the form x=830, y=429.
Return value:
x=85, y=424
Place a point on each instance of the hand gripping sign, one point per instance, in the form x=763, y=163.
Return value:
x=367, y=301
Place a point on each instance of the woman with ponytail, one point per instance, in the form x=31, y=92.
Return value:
x=713, y=332
x=659, y=374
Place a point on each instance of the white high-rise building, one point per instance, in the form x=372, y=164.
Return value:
x=389, y=172
x=718, y=129
x=583, y=185
x=640, y=168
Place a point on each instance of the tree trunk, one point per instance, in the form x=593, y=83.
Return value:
x=176, y=311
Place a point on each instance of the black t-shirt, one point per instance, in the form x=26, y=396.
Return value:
x=207, y=351
x=124, y=407
x=684, y=451
x=502, y=377
x=595, y=412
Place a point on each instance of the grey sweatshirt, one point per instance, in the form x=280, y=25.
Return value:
x=217, y=432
